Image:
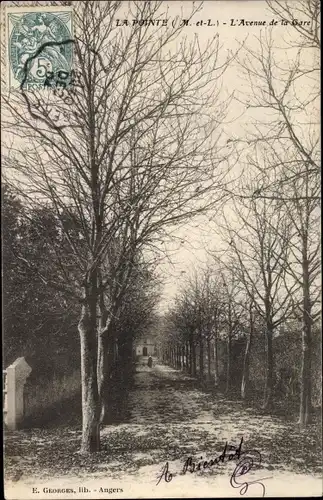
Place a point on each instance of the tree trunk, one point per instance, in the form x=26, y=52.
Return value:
x=269, y=384
x=216, y=361
x=191, y=355
x=201, y=360
x=305, y=411
x=105, y=357
x=209, y=358
x=193, y=359
x=229, y=349
x=106, y=364
x=245, y=374
x=90, y=396
x=102, y=355
x=101, y=367
x=245, y=383
x=188, y=365
x=228, y=377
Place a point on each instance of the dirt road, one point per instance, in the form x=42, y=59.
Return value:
x=166, y=424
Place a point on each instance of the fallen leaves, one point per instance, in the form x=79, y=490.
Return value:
x=165, y=417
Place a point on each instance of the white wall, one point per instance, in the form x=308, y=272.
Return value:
x=150, y=349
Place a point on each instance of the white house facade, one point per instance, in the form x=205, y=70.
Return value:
x=145, y=347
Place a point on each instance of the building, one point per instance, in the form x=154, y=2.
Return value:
x=146, y=346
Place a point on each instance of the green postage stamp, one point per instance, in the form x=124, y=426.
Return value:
x=39, y=45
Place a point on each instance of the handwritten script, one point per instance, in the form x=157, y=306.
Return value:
x=248, y=460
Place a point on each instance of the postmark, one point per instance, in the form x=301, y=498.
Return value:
x=37, y=45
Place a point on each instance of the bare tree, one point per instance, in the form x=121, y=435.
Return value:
x=212, y=316
x=257, y=251
x=187, y=322
x=123, y=149
x=306, y=11
x=282, y=80
x=303, y=269
x=232, y=312
x=245, y=381
x=202, y=292
x=174, y=335
x=190, y=318
x=286, y=151
x=203, y=306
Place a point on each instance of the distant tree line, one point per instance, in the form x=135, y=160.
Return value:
x=263, y=283
x=214, y=332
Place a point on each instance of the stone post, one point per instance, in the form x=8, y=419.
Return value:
x=17, y=374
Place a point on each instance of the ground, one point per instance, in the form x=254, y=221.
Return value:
x=164, y=419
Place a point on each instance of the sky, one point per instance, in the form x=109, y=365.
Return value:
x=230, y=19
x=198, y=236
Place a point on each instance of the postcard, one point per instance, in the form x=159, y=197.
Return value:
x=161, y=249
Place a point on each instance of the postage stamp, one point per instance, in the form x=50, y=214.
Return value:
x=39, y=45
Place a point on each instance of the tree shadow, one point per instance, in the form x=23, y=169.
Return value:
x=117, y=399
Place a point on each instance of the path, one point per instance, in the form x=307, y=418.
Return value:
x=167, y=418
